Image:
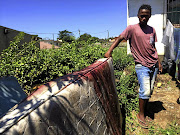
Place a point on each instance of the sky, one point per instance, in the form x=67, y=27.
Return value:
x=45, y=18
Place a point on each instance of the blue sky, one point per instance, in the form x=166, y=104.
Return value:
x=47, y=17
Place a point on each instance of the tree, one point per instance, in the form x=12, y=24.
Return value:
x=84, y=37
x=66, y=36
x=94, y=39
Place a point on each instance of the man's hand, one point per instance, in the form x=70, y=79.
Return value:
x=107, y=54
x=160, y=68
x=114, y=45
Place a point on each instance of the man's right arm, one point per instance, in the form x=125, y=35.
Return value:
x=114, y=45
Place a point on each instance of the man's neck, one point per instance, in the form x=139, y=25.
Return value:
x=143, y=26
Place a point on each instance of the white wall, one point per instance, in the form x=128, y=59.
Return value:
x=157, y=20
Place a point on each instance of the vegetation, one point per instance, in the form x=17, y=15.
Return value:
x=66, y=36
x=32, y=66
x=88, y=38
x=85, y=37
x=126, y=80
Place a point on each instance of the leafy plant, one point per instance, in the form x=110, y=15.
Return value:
x=66, y=36
x=32, y=66
x=126, y=80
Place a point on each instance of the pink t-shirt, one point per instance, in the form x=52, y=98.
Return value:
x=142, y=44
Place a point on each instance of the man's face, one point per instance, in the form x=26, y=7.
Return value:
x=144, y=16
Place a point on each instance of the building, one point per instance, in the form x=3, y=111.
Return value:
x=7, y=35
x=46, y=45
x=161, y=11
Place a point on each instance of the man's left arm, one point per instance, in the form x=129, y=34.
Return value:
x=159, y=64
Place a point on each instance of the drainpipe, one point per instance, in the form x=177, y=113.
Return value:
x=164, y=14
x=127, y=13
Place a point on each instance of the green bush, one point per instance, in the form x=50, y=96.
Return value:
x=126, y=80
x=32, y=66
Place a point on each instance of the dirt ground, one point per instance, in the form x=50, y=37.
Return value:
x=163, y=106
x=163, y=103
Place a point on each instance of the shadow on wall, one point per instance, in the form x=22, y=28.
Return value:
x=83, y=102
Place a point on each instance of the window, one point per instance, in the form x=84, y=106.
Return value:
x=173, y=12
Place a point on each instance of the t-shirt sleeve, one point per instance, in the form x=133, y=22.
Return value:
x=127, y=33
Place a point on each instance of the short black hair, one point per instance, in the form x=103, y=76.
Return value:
x=145, y=6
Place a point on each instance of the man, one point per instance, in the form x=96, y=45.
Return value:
x=142, y=40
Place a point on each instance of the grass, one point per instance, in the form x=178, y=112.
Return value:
x=133, y=128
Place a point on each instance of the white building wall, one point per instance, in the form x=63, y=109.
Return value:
x=157, y=20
